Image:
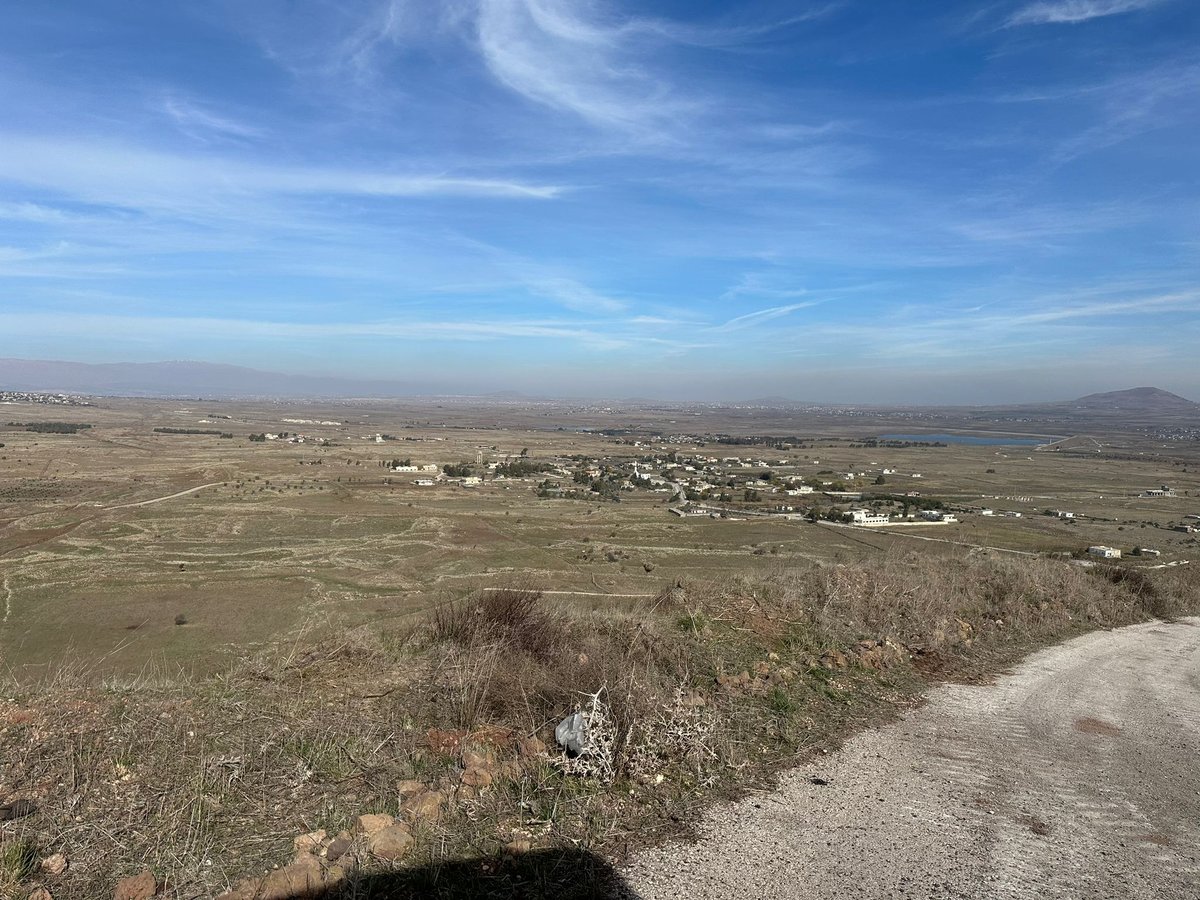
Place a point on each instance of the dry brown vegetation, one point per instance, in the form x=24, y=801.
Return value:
x=447, y=724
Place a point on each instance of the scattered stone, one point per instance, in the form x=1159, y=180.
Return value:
x=424, y=807
x=834, y=659
x=55, y=864
x=472, y=759
x=391, y=843
x=371, y=823
x=531, y=748
x=446, y=742
x=339, y=847
x=296, y=881
x=410, y=787
x=479, y=778
x=142, y=886
x=309, y=843
x=518, y=847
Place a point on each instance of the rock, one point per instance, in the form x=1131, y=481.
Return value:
x=834, y=659
x=444, y=741
x=300, y=879
x=410, y=787
x=530, y=747
x=338, y=847
x=479, y=778
x=40, y=894
x=55, y=864
x=818, y=780
x=142, y=886
x=762, y=668
x=518, y=847
x=309, y=843
x=371, y=823
x=391, y=843
x=424, y=807
x=472, y=759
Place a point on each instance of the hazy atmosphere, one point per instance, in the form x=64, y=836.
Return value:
x=845, y=201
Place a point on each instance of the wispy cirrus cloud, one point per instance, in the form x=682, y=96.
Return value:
x=202, y=124
x=125, y=175
x=1070, y=12
x=763, y=315
x=552, y=53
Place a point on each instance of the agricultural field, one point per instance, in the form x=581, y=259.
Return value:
x=163, y=536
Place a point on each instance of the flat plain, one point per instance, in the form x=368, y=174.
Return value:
x=128, y=548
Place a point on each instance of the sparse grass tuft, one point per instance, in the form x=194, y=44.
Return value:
x=19, y=858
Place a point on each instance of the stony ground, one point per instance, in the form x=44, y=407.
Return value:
x=1074, y=776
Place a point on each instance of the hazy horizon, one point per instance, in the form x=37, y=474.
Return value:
x=224, y=381
x=830, y=202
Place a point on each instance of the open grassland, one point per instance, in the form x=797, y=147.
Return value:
x=111, y=536
x=213, y=644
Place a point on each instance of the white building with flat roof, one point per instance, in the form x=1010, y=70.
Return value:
x=867, y=517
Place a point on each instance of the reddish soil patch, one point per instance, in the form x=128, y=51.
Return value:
x=1089, y=725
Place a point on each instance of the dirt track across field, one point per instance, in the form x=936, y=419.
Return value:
x=183, y=493
x=1077, y=775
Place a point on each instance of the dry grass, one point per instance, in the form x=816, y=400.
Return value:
x=692, y=694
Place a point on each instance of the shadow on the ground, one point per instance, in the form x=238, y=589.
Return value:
x=565, y=874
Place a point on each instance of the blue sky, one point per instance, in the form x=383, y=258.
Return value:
x=843, y=201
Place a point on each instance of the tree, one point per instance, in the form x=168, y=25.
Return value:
x=880, y=480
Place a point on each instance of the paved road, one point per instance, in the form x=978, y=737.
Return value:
x=1076, y=776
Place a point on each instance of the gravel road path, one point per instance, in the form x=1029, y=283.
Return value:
x=1077, y=775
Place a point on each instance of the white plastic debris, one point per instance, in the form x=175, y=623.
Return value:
x=572, y=733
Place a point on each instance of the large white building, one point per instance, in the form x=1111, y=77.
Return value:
x=867, y=517
x=1104, y=552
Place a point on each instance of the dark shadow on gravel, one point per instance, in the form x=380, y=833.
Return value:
x=566, y=874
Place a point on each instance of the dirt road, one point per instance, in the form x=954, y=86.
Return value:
x=1078, y=775
x=183, y=493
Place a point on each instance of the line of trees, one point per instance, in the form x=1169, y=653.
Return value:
x=51, y=427
x=224, y=434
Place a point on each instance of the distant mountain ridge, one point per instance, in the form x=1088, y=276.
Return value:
x=1140, y=399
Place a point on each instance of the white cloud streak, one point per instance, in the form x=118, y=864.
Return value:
x=763, y=315
x=131, y=176
x=201, y=124
x=550, y=53
x=1071, y=12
